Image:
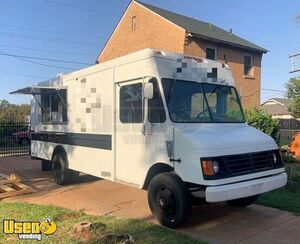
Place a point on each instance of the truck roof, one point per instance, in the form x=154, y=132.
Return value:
x=182, y=66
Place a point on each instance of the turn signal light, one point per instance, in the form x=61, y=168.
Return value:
x=208, y=167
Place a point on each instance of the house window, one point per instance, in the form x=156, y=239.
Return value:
x=156, y=111
x=211, y=53
x=133, y=23
x=248, y=65
x=54, y=106
x=131, y=103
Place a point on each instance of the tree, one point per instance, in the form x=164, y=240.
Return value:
x=264, y=122
x=12, y=112
x=293, y=93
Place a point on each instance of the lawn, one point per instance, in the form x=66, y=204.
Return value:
x=105, y=229
x=287, y=198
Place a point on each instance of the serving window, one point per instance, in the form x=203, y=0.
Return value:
x=54, y=106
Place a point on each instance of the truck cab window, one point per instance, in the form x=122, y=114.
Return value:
x=131, y=103
x=193, y=102
x=54, y=109
x=156, y=111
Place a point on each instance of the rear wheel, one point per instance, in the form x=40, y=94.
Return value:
x=168, y=199
x=62, y=174
x=243, y=202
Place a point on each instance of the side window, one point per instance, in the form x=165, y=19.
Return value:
x=247, y=65
x=156, y=111
x=211, y=53
x=46, y=109
x=54, y=107
x=133, y=23
x=131, y=103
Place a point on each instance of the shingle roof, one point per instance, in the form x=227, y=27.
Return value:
x=204, y=30
x=279, y=108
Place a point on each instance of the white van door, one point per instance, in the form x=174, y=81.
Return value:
x=130, y=135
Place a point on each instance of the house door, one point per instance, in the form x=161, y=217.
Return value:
x=130, y=138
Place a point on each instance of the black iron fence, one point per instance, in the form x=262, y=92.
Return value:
x=14, y=138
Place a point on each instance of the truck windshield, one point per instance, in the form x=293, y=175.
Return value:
x=193, y=102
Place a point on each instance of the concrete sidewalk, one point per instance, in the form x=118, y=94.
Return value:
x=216, y=223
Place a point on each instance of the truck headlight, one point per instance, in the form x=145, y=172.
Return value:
x=216, y=166
x=210, y=167
x=274, y=158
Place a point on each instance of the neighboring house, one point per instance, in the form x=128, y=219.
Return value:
x=145, y=26
x=278, y=108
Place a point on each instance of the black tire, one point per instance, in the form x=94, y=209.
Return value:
x=75, y=175
x=169, y=200
x=62, y=174
x=243, y=202
x=46, y=165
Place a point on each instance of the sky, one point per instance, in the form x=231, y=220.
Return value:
x=76, y=31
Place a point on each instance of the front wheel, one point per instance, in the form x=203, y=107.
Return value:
x=168, y=199
x=243, y=202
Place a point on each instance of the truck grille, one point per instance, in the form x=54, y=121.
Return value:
x=250, y=163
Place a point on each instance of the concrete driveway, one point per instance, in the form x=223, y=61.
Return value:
x=215, y=223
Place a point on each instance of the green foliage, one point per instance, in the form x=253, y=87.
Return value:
x=293, y=93
x=104, y=228
x=286, y=198
x=264, y=122
x=12, y=112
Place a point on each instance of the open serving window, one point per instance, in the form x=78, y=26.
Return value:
x=51, y=100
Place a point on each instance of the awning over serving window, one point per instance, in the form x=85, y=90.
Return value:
x=35, y=90
x=49, y=85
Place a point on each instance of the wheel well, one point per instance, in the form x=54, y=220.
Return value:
x=154, y=170
x=58, y=149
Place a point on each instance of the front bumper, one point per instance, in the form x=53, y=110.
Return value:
x=245, y=189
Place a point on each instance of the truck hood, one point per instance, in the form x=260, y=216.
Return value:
x=222, y=139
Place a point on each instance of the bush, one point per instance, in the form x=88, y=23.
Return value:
x=264, y=122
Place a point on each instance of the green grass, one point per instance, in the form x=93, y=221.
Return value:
x=141, y=231
x=287, y=198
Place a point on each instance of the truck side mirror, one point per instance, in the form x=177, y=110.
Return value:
x=148, y=90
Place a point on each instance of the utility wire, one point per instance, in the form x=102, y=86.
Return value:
x=23, y=75
x=38, y=63
x=47, y=31
x=44, y=59
x=46, y=39
x=264, y=89
x=273, y=90
x=80, y=8
x=47, y=50
x=112, y=2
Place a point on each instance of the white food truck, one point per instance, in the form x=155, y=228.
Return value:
x=164, y=122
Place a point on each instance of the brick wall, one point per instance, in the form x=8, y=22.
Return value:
x=248, y=86
x=151, y=32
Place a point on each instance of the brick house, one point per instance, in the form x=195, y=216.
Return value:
x=145, y=26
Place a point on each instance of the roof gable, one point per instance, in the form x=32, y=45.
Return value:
x=203, y=29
